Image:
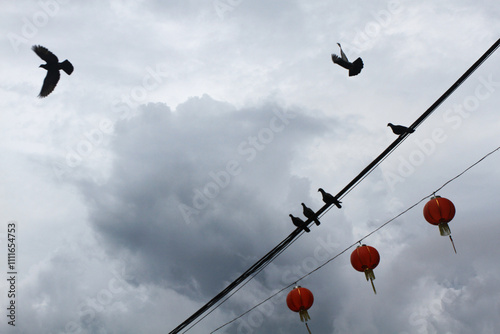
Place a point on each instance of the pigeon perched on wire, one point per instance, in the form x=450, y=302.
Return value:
x=399, y=129
x=309, y=213
x=52, y=66
x=354, y=67
x=329, y=198
x=300, y=223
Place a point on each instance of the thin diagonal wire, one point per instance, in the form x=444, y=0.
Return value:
x=419, y=120
x=498, y=148
x=368, y=169
x=355, y=243
x=245, y=283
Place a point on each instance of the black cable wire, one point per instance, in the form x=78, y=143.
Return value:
x=369, y=172
x=359, y=241
x=419, y=120
x=243, y=284
x=267, y=258
x=283, y=245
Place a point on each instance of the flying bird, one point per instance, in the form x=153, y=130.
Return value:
x=329, y=198
x=399, y=129
x=300, y=223
x=309, y=213
x=354, y=67
x=52, y=66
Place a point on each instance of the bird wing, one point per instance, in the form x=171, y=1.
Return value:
x=300, y=223
x=339, y=61
x=45, y=54
x=403, y=129
x=342, y=54
x=328, y=198
x=398, y=129
x=49, y=83
x=308, y=212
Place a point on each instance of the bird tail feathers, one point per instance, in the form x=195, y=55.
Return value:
x=356, y=67
x=67, y=67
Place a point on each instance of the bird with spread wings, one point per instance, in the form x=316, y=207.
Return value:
x=354, y=68
x=52, y=66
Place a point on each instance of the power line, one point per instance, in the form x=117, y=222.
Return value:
x=238, y=289
x=355, y=243
x=270, y=256
x=419, y=120
x=245, y=283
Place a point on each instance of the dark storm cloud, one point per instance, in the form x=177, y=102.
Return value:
x=197, y=194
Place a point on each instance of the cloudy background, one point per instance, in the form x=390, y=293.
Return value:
x=168, y=162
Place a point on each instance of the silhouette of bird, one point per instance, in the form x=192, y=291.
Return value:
x=399, y=129
x=300, y=223
x=329, y=198
x=52, y=66
x=354, y=67
x=310, y=214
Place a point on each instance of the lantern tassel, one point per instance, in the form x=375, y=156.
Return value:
x=304, y=316
x=453, y=244
x=370, y=275
x=373, y=286
x=444, y=229
x=308, y=328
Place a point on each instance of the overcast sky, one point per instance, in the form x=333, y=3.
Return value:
x=168, y=163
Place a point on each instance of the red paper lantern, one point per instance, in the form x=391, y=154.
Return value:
x=300, y=300
x=440, y=211
x=365, y=258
